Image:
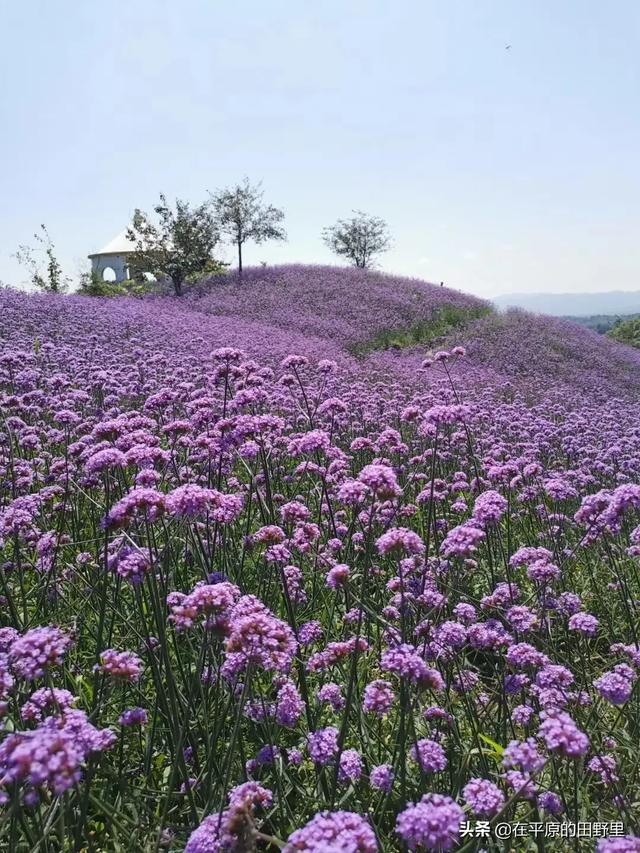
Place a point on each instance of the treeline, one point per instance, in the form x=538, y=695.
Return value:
x=601, y=323
x=181, y=243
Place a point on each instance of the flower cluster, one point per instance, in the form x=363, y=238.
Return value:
x=53, y=755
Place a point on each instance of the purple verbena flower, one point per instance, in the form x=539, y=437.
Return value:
x=433, y=824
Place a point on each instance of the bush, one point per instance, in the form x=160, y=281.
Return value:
x=93, y=285
x=627, y=332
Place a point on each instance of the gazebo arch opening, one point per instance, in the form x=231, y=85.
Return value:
x=112, y=262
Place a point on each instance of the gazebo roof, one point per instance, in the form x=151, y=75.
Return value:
x=120, y=245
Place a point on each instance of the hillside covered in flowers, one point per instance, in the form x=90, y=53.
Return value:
x=322, y=560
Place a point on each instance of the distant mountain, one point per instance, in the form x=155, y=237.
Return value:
x=573, y=304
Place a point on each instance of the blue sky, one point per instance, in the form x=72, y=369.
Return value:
x=497, y=170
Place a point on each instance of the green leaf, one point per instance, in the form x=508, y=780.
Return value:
x=499, y=750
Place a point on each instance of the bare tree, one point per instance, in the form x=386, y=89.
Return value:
x=179, y=246
x=359, y=239
x=242, y=216
x=51, y=279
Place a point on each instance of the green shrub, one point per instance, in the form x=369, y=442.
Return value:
x=93, y=285
x=627, y=332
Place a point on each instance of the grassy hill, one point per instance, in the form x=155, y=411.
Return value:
x=358, y=318
x=361, y=313
x=360, y=310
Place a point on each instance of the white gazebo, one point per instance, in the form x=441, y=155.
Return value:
x=112, y=262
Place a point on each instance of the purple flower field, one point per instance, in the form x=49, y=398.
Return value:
x=349, y=306
x=265, y=587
